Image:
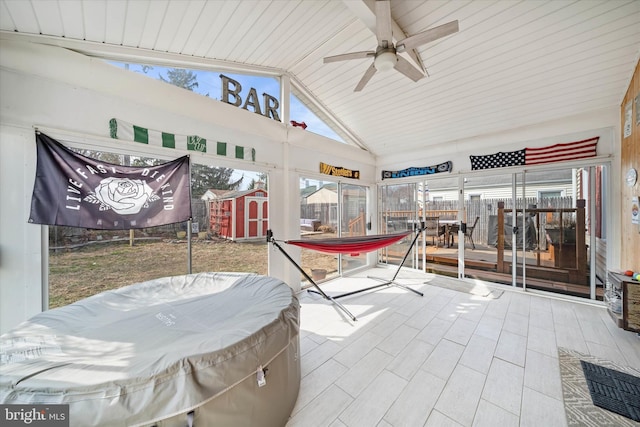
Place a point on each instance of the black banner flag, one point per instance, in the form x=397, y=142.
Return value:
x=77, y=191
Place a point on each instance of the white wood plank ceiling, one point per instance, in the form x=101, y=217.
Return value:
x=512, y=63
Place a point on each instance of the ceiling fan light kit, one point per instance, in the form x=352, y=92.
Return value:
x=385, y=60
x=386, y=57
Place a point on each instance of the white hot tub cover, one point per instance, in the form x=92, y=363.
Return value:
x=148, y=353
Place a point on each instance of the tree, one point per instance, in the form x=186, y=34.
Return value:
x=262, y=178
x=146, y=161
x=202, y=177
x=205, y=177
x=185, y=79
x=102, y=156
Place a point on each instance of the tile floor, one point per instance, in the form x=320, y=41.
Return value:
x=446, y=359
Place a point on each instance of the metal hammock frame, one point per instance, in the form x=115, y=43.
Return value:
x=350, y=245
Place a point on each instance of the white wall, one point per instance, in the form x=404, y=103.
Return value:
x=21, y=267
x=71, y=98
x=601, y=123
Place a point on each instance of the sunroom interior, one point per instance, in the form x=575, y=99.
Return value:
x=345, y=148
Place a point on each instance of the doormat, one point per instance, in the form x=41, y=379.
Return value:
x=613, y=390
x=579, y=408
x=469, y=288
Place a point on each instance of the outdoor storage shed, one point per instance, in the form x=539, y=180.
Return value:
x=240, y=215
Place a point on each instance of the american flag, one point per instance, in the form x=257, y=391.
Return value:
x=536, y=156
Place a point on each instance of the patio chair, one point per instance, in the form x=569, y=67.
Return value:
x=452, y=233
x=468, y=235
x=434, y=229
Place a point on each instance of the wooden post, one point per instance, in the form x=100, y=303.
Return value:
x=131, y=236
x=500, y=261
x=581, y=246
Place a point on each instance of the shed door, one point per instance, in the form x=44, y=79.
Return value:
x=256, y=209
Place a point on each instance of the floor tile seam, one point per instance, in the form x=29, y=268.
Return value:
x=348, y=394
x=561, y=401
x=408, y=382
x=424, y=341
x=338, y=362
x=437, y=344
x=526, y=336
x=445, y=415
x=569, y=347
x=495, y=343
x=363, y=389
x=502, y=334
x=401, y=350
x=576, y=325
x=312, y=401
x=509, y=361
x=482, y=395
x=461, y=363
x=483, y=335
x=390, y=354
x=504, y=409
x=477, y=403
x=545, y=340
x=555, y=357
x=493, y=315
x=542, y=326
x=384, y=336
x=606, y=345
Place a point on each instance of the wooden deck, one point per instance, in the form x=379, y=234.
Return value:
x=481, y=263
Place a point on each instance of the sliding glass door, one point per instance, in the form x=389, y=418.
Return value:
x=331, y=209
x=542, y=229
x=538, y=230
x=353, y=222
x=563, y=243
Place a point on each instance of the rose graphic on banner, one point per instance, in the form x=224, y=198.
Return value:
x=77, y=191
x=123, y=195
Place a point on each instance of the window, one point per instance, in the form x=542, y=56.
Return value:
x=84, y=262
x=257, y=94
x=549, y=194
x=301, y=113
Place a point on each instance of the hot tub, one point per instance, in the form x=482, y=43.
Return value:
x=209, y=349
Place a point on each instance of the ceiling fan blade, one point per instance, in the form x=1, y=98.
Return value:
x=347, y=56
x=365, y=79
x=427, y=36
x=407, y=69
x=383, y=23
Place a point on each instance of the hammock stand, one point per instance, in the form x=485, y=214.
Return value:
x=348, y=245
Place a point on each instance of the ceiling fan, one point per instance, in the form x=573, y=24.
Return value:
x=386, y=55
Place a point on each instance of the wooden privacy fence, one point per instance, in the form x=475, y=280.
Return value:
x=483, y=208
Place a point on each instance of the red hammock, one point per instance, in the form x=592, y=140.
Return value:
x=350, y=245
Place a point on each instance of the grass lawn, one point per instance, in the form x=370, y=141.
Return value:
x=88, y=270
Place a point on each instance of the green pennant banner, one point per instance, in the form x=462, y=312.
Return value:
x=120, y=129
